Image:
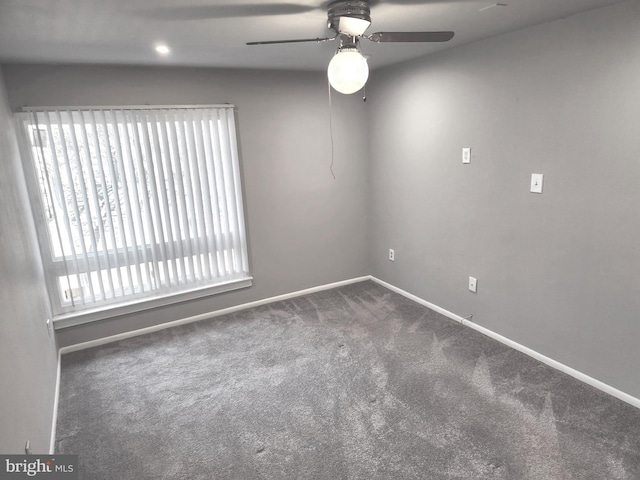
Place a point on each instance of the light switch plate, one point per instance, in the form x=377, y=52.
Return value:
x=473, y=284
x=466, y=155
x=536, y=182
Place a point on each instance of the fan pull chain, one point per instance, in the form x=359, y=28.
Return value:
x=331, y=129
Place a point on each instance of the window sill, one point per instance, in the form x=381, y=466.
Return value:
x=117, y=310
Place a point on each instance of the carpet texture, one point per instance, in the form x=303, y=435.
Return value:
x=352, y=383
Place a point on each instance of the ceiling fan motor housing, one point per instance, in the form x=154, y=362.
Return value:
x=350, y=19
x=347, y=8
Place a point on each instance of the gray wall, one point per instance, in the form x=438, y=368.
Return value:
x=557, y=272
x=28, y=359
x=305, y=229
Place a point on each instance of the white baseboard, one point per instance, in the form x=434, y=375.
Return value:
x=208, y=315
x=419, y=300
x=625, y=397
x=521, y=348
x=56, y=399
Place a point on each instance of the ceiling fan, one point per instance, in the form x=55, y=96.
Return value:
x=349, y=20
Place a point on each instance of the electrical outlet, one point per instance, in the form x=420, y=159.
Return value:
x=473, y=284
x=392, y=255
x=27, y=448
x=49, y=326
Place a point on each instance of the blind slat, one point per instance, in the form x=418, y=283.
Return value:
x=224, y=187
x=146, y=221
x=237, y=191
x=126, y=174
x=204, y=154
x=229, y=177
x=187, y=255
x=158, y=162
x=190, y=204
x=52, y=184
x=71, y=200
x=154, y=201
x=172, y=199
x=197, y=194
x=119, y=232
x=216, y=227
x=105, y=209
x=91, y=181
x=88, y=219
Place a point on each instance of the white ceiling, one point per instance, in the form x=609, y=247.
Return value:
x=213, y=32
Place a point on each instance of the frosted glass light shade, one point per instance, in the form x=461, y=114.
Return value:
x=348, y=71
x=353, y=26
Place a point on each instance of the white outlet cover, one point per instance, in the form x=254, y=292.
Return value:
x=473, y=284
x=466, y=155
x=536, y=182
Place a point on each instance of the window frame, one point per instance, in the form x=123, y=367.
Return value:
x=64, y=315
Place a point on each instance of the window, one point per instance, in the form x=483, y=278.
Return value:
x=135, y=203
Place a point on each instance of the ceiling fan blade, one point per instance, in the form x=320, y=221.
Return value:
x=382, y=37
x=272, y=42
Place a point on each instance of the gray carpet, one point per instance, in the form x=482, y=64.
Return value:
x=352, y=383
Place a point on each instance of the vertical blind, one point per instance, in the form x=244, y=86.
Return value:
x=136, y=202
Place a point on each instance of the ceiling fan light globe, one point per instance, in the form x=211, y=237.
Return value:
x=348, y=71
